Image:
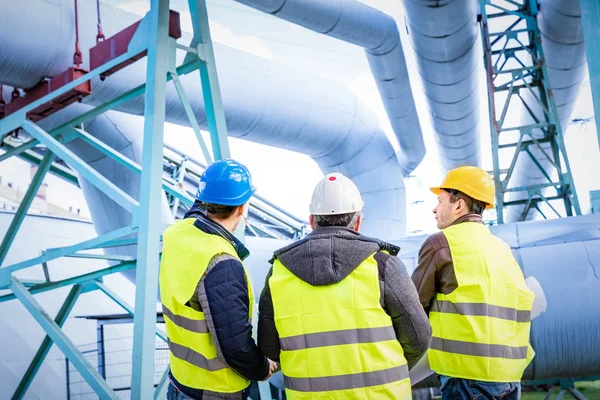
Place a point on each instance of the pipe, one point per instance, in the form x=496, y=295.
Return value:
x=444, y=35
x=377, y=33
x=263, y=102
x=562, y=41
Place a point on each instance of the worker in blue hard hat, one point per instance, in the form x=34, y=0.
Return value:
x=206, y=295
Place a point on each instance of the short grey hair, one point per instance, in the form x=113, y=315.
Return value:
x=348, y=220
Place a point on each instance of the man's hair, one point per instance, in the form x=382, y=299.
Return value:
x=474, y=206
x=218, y=210
x=348, y=220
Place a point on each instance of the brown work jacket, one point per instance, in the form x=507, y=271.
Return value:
x=435, y=271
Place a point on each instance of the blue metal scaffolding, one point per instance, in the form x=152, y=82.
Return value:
x=517, y=75
x=151, y=36
x=590, y=21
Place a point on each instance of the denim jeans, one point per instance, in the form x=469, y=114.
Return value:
x=465, y=389
x=174, y=394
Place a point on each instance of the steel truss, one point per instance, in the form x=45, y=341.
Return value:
x=517, y=74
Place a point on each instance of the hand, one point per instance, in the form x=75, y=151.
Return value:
x=272, y=368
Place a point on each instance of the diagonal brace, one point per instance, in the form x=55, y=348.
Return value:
x=25, y=204
x=95, y=178
x=37, y=361
x=87, y=370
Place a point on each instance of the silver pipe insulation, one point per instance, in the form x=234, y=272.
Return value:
x=562, y=41
x=263, y=102
x=444, y=37
x=377, y=33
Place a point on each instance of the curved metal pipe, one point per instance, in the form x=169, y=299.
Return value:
x=377, y=33
x=444, y=35
x=263, y=102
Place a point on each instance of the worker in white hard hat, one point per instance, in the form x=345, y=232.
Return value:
x=339, y=310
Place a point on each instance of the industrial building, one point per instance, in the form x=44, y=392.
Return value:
x=97, y=99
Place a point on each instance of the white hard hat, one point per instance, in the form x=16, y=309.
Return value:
x=335, y=194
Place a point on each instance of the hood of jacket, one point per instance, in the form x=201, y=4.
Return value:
x=328, y=255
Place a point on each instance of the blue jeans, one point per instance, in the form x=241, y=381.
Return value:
x=174, y=394
x=465, y=389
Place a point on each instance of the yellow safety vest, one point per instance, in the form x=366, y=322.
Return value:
x=336, y=341
x=187, y=252
x=481, y=329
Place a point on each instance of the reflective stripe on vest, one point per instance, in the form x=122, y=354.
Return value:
x=187, y=252
x=337, y=341
x=481, y=329
x=481, y=309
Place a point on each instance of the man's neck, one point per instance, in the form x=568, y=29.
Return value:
x=228, y=223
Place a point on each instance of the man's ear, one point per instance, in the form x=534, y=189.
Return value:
x=460, y=206
x=311, y=220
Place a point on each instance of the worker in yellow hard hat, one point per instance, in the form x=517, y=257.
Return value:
x=339, y=310
x=475, y=294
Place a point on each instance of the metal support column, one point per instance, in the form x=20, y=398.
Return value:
x=590, y=21
x=215, y=113
x=39, y=357
x=515, y=64
x=161, y=52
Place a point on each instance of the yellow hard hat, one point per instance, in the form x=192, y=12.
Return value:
x=472, y=181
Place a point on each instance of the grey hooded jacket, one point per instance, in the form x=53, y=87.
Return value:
x=327, y=256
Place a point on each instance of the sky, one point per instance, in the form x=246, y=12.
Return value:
x=288, y=178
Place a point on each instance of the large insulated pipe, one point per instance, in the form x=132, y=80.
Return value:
x=264, y=102
x=377, y=33
x=444, y=35
x=562, y=41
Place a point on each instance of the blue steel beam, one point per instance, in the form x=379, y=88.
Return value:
x=15, y=224
x=191, y=117
x=132, y=165
x=39, y=357
x=213, y=104
x=161, y=390
x=15, y=151
x=83, y=168
x=54, y=253
x=124, y=304
x=161, y=52
x=75, y=280
x=590, y=21
x=106, y=149
x=87, y=370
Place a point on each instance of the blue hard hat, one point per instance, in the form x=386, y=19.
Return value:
x=225, y=182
